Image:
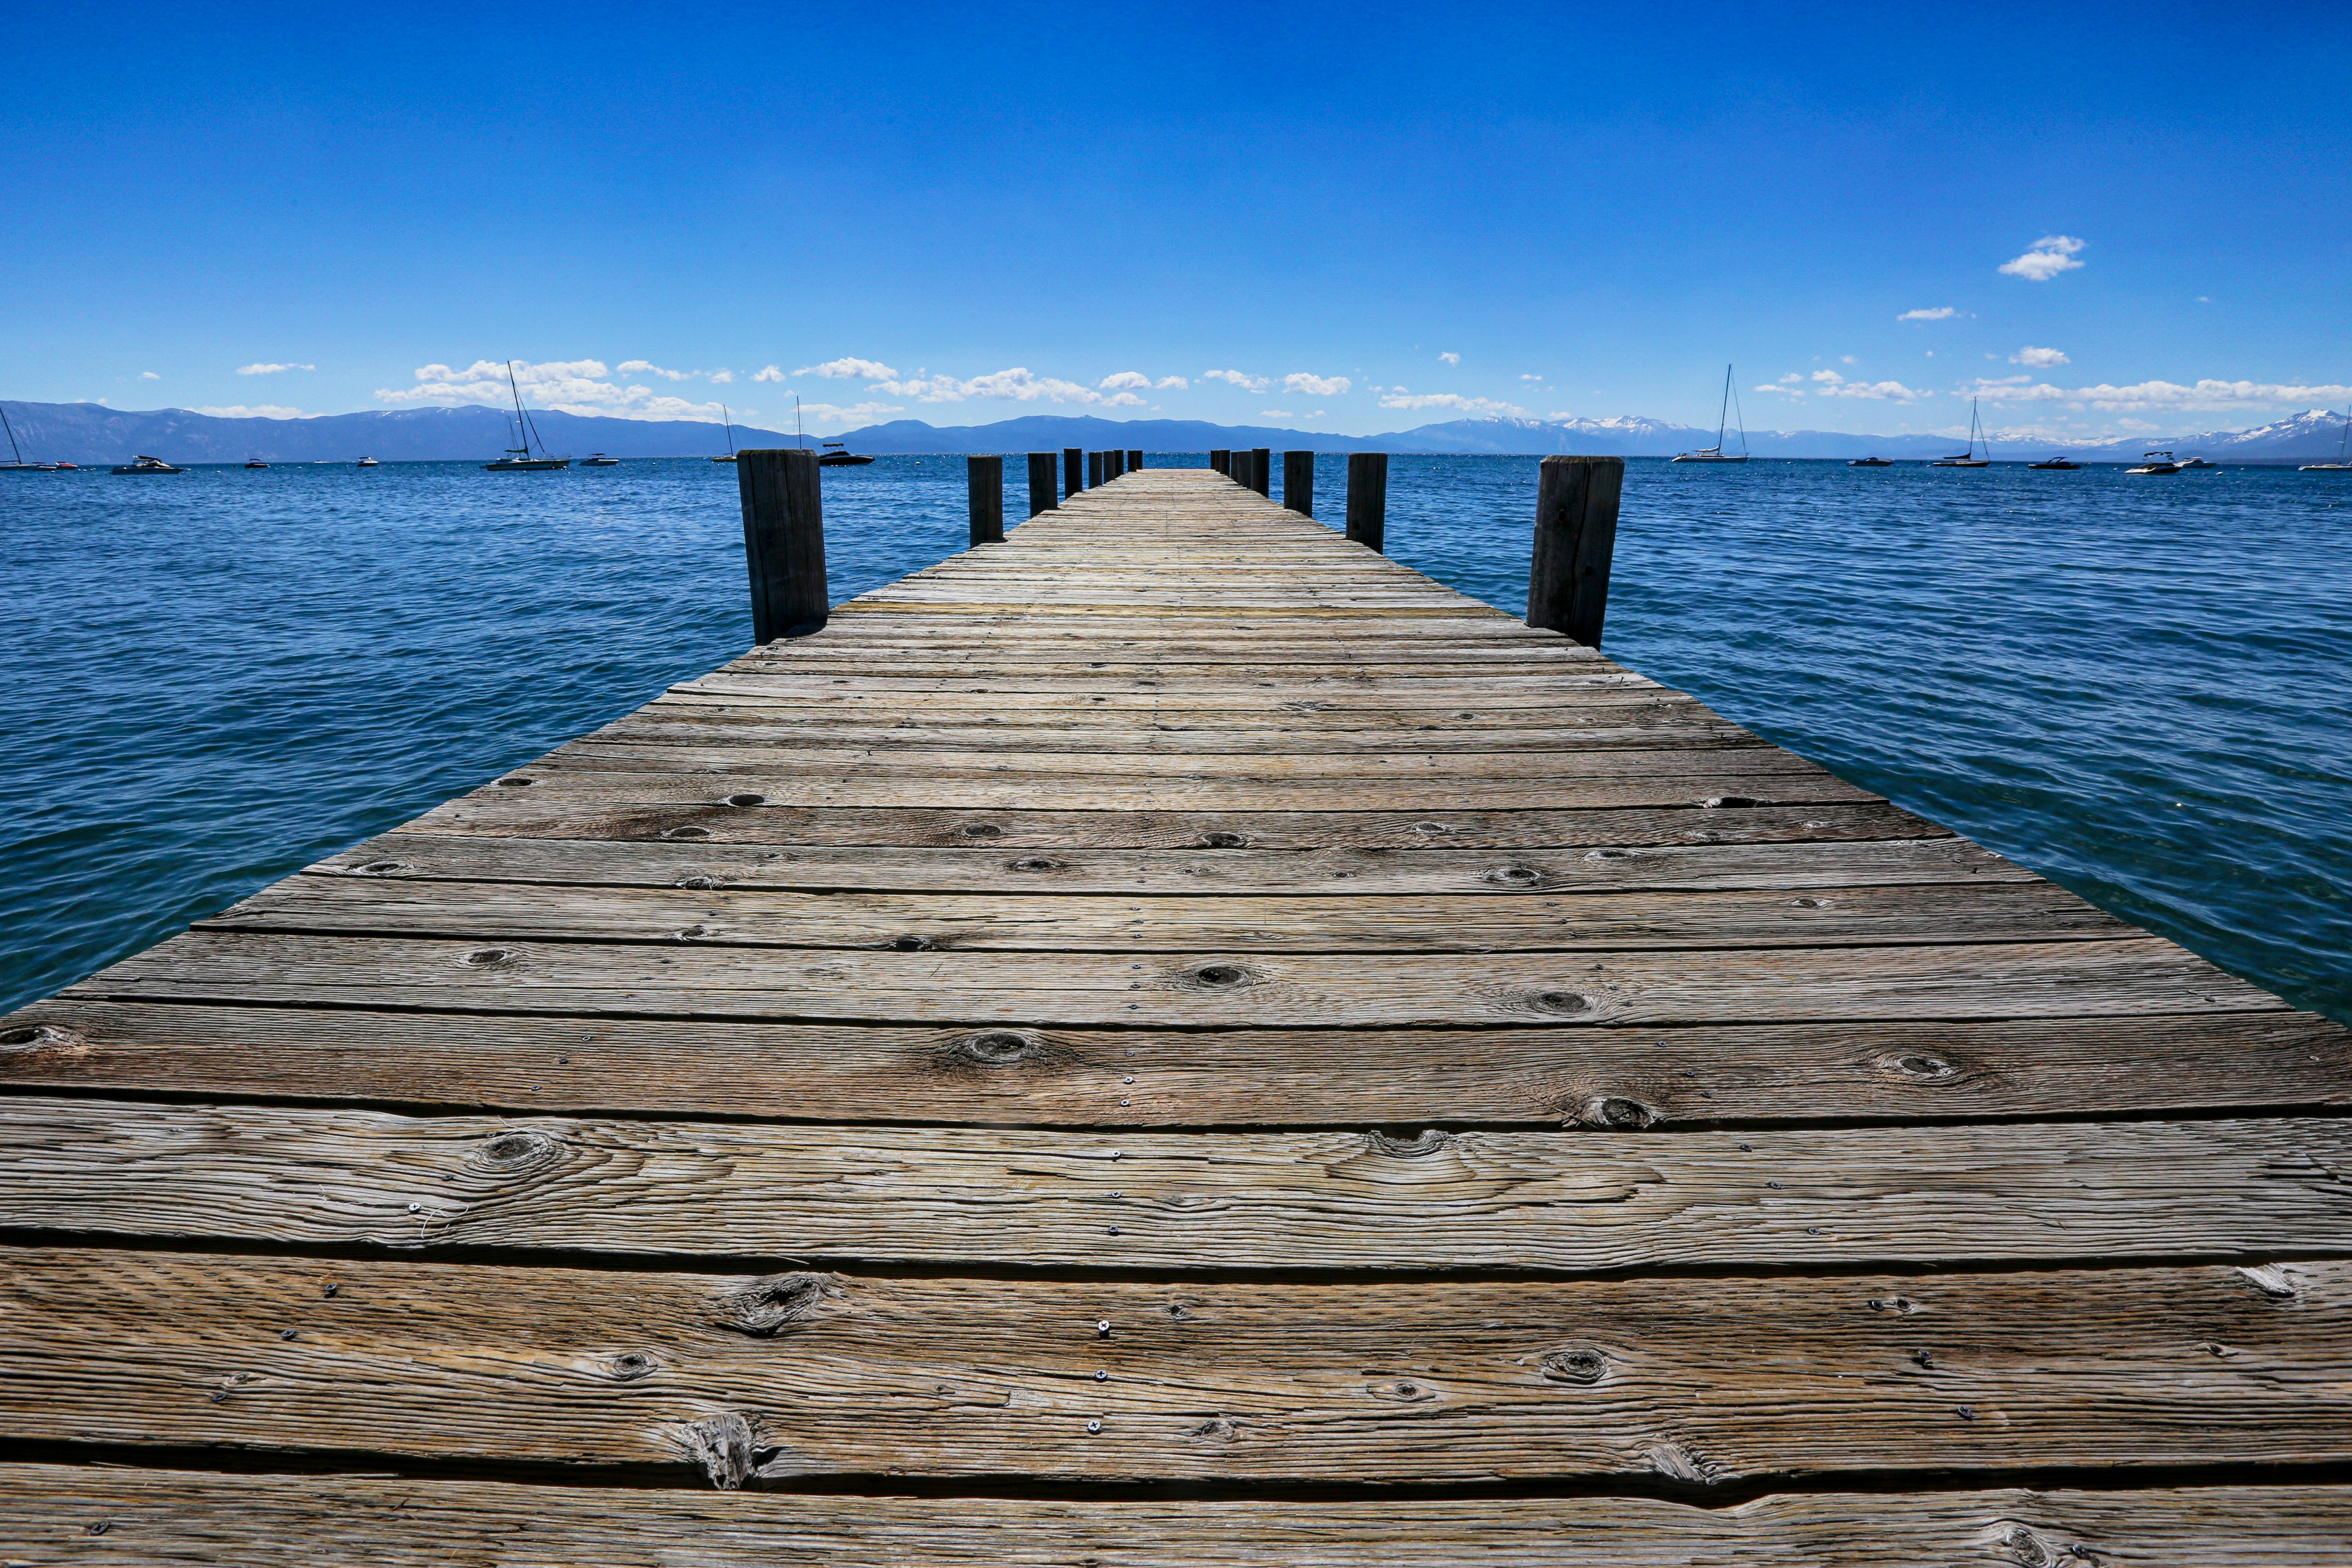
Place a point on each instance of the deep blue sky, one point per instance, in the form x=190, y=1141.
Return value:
x=1613, y=200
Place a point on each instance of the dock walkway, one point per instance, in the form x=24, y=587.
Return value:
x=1173, y=1039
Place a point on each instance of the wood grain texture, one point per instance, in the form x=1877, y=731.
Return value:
x=1575, y=1201
x=137, y=1518
x=1701, y=1381
x=1914, y=1072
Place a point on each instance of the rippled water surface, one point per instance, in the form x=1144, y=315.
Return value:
x=2129, y=684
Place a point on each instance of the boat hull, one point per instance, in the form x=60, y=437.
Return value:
x=1679, y=458
x=534, y=464
x=843, y=461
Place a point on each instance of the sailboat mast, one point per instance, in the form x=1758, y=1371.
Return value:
x=12, y=437
x=800, y=440
x=730, y=420
x=523, y=430
x=1724, y=409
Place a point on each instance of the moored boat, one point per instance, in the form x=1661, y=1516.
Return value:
x=1868, y=463
x=520, y=459
x=17, y=464
x=836, y=456
x=2055, y=463
x=2157, y=463
x=255, y=463
x=2187, y=463
x=368, y=463
x=1716, y=454
x=2343, y=453
x=1968, y=459
x=598, y=460
x=146, y=465
x=729, y=421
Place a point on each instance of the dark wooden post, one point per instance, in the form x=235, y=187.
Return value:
x=1299, y=482
x=1260, y=469
x=1093, y=470
x=1576, y=533
x=783, y=541
x=1367, y=499
x=1114, y=465
x=1134, y=461
x=1042, y=488
x=1221, y=460
x=985, y=478
x=1074, y=471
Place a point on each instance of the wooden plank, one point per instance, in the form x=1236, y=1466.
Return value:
x=940, y=731
x=1697, y=1380
x=1213, y=990
x=1571, y=1202
x=1923, y=1071
x=105, y=1518
x=1041, y=920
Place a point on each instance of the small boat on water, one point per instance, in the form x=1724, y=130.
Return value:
x=518, y=458
x=1868, y=463
x=17, y=464
x=598, y=460
x=2157, y=463
x=2055, y=463
x=1715, y=454
x=837, y=456
x=1968, y=459
x=2187, y=463
x=368, y=463
x=729, y=421
x=2343, y=463
x=145, y=464
x=255, y=463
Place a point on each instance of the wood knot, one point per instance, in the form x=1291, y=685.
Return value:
x=1609, y=855
x=1218, y=977
x=491, y=958
x=724, y=1446
x=1616, y=1110
x=516, y=782
x=1225, y=840
x=979, y=830
x=24, y=1039
x=517, y=1151
x=1403, y=1391
x=911, y=943
x=1422, y=1143
x=1512, y=876
x=1560, y=1004
x=2027, y=1548
x=679, y=833
x=1215, y=1429
x=765, y=1308
x=378, y=868
x=703, y=883
x=1723, y=802
x=630, y=1365
x=1922, y=1066
x=1037, y=863
x=998, y=1048
x=747, y=798
x=689, y=934
x=2271, y=1279
x=1579, y=1367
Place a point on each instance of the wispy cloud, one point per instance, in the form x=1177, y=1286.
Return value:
x=574, y=386
x=1523, y=376
x=1276, y=413
x=1830, y=384
x=721, y=377
x=856, y=414
x=1178, y=382
x=2050, y=256
x=266, y=369
x=1398, y=397
x=1450, y=357
x=2038, y=357
x=257, y=411
x=149, y=376
x=1316, y=385
x=1125, y=378
x=850, y=370
x=2146, y=397
x=770, y=373
x=1939, y=313
x=646, y=367
x=1247, y=383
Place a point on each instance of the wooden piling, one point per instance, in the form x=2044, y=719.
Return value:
x=1368, y=500
x=783, y=541
x=1576, y=533
x=1093, y=470
x=1134, y=461
x=1074, y=471
x=1299, y=482
x=1042, y=486
x=985, y=476
x=1221, y=460
x=1261, y=468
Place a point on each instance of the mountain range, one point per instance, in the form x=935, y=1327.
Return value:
x=90, y=434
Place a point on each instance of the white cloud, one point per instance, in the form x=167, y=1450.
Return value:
x=2050, y=256
x=1247, y=383
x=1134, y=378
x=149, y=376
x=646, y=367
x=721, y=377
x=1276, y=413
x=1940, y=313
x=257, y=411
x=1450, y=357
x=850, y=370
x=857, y=414
x=1316, y=385
x=266, y=369
x=1178, y=382
x=1845, y=358
x=1525, y=377
x=770, y=373
x=2038, y=357
x=1830, y=384
x=1398, y=397
x=574, y=386
x=2208, y=396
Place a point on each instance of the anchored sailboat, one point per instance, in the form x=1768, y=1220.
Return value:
x=1716, y=454
x=520, y=457
x=730, y=420
x=2343, y=452
x=17, y=464
x=1968, y=459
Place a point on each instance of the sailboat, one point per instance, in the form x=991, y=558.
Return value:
x=1968, y=459
x=2343, y=452
x=520, y=457
x=17, y=464
x=730, y=435
x=1716, y=454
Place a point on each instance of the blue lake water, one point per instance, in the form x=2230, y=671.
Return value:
x=2133, y=685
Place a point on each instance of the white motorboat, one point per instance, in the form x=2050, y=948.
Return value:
x=2157, y=463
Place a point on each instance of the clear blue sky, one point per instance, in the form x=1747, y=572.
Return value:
x=1561, y=210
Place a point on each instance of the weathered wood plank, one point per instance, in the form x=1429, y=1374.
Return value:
x=1575, y=1201
x=1704, y=1381
x=1924, y=1071
x=104, y=1517
x=1246, y=989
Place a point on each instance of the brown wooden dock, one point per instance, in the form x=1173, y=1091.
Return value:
x=1173, y=1040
